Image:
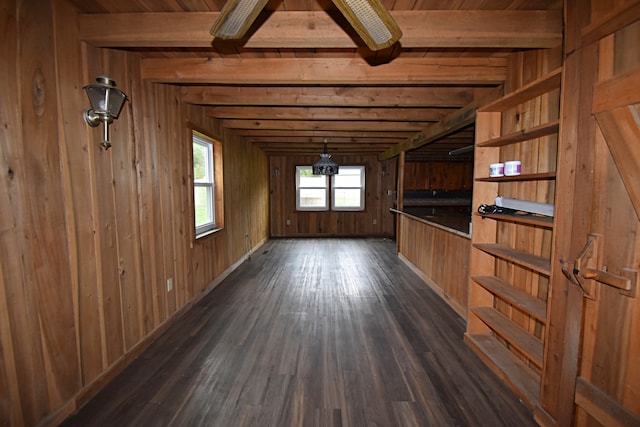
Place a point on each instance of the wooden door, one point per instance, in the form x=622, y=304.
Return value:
x=592, y=363
x=608, y=382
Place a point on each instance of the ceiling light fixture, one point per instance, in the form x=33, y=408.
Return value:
x=369, y=18
x=325, y=166
x=236, y=17
x=372, y=21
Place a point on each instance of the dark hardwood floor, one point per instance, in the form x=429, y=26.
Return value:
x=311, y=332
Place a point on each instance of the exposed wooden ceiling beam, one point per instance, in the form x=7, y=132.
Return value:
x=341, y=141
x=453, y=122
x=317, y=148
x=303, y=29
x=342, y=96
x=320, y=140
x=340, y=71
x=277, y=133
x=315, y=151
x=323, y=125
x=327, y=113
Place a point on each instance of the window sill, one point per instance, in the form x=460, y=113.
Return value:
x=207, y=233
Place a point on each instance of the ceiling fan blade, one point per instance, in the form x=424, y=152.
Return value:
x=236, y=17
x=372, y=21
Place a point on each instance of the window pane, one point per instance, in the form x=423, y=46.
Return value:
x=203, y=202
x=208, y=210
x=348, y=177
x=346, y=198
x=310, y=197
x=308, y=179
x=202, y=169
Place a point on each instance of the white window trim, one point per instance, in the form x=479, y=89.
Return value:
x=361, y=188
x=199, y=139
x=298, y=188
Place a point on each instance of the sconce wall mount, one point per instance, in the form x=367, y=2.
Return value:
x=106, y=103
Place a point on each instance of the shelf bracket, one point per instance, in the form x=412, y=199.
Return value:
x=583, y=272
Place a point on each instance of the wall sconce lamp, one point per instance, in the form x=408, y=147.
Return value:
x=106, y=103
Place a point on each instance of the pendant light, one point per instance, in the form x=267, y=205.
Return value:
x=325, y=166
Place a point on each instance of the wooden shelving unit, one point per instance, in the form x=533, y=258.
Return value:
x=525, y=259
x=539, y=221
x=509, y=368
x=527, y=177
x=523, y=135
x=510, y=255
x=531, y=305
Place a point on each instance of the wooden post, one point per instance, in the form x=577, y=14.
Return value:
x=400, y=197
x=573, y=186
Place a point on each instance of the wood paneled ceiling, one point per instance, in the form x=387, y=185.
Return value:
x=303, y=75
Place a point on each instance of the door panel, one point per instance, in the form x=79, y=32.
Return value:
x=608, y=383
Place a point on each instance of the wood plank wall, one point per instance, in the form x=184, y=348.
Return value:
x=380, y=194
x=442, y=176
x=88, y=238
x=440, y=257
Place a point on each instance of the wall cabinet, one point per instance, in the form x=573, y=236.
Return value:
x=510, y=263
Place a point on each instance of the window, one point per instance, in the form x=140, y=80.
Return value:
x=207, y=184
x=312, y=191
x=347, y=189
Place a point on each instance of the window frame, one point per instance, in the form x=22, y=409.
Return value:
x=361, y=187
x=330, y=191
x=299, y=187
x=214, y=148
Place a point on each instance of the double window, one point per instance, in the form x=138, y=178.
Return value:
x=207, y=184
x=342, y=192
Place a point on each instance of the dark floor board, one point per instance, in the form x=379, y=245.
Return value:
x=311, y=332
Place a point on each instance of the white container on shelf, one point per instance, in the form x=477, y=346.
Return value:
x=512, y=168
x=496, y=169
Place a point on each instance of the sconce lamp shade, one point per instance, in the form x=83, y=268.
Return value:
x=372, y=21
x=106, y=100
x=236, y=17
x=325, y=166
x=106, y=103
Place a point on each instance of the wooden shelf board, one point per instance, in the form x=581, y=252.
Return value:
x=524, y=177
x=523, y=135
x=539, y=221
x=529, y=304
x=524, y=382
x=514, y=334
x=525, y=259
x=544, y=84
